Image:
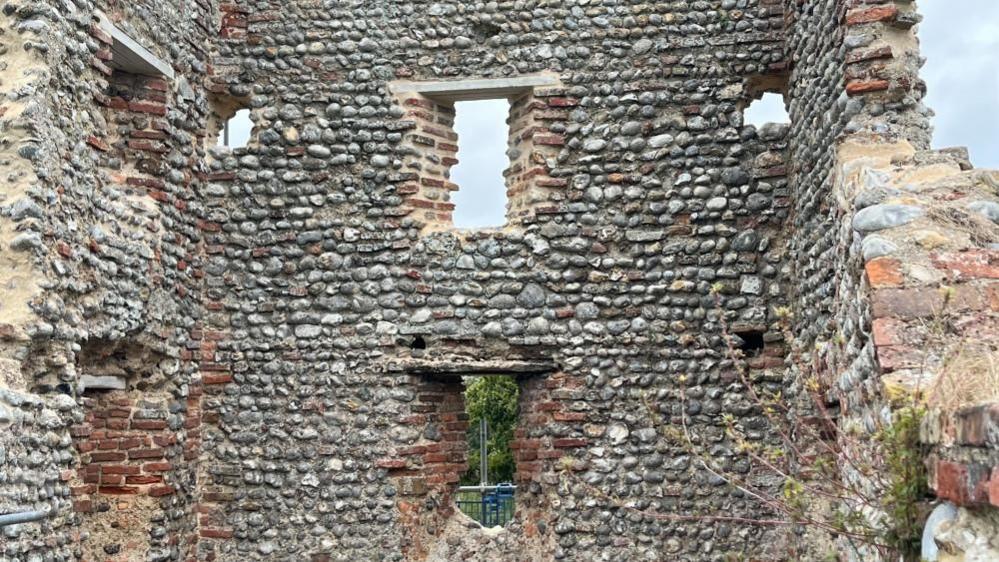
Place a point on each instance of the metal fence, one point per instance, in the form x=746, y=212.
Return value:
x=489, y=505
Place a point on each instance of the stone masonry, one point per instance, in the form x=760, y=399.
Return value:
x=256, y=353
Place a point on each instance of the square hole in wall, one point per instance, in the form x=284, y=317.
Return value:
x=230, y=124
x=236, y=130
x=750, y=342
x=480, y=152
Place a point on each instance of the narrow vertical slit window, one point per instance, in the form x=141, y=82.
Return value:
x=483, y=136
x=768, y=109
x=487, y=491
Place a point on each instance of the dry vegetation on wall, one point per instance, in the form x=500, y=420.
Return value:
x=969, y=376
x=831, y=482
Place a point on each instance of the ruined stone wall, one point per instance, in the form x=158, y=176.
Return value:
x=855, y=74
x=101, y=275
x=894, y=239
x=816, y=106
x=281, y=329
x=846, y=58
x=323, y=273
x=964, y=473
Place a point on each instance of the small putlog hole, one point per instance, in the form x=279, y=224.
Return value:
x=750, y=343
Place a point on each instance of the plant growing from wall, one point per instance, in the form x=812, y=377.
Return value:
x=907, y=487
x=864, y=487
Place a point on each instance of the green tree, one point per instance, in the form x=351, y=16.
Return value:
x=495, y=400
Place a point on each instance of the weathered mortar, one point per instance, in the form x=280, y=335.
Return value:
x=280, y=287
x=327, y=273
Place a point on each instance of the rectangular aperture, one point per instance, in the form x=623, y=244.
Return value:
x=481, y=200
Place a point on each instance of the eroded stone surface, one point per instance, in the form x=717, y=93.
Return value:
x=277, y=311
x=880, y=217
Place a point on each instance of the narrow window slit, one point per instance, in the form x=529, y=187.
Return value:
x=483, y=135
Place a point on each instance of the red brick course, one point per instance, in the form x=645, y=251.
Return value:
x=969, y=433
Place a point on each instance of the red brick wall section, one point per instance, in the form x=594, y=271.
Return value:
x=217, y=484
x=136, y=108
x=235, y=20
x=544, y=405
x=437, y=461
x=871, y=69
x=530, y=185
x=125, y=448
x=433, y=146
x=964, y=465
x=902, y=307
x=430, y=468
x=885, y=69
x=127, y=451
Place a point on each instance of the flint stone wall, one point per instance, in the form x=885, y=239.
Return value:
x=100, y=170
x=309, y=309
x=323, y=278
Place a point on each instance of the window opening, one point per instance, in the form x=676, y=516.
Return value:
x=508, y=147
x=483, y=135
x=236, y=130
x=486, y=492
x=128, y=55
x=768, y=109
x=430, y=470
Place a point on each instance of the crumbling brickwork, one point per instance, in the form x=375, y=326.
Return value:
x=279, y=330
x=100, y=216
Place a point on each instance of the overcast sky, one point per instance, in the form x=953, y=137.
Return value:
x=960, y=39
x=482, y=142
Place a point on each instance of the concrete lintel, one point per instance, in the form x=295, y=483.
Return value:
x=129, y=55
x=472, y=368
x=478, y=89
x=103, y=382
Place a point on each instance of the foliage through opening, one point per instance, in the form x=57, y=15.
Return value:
x=495, y=400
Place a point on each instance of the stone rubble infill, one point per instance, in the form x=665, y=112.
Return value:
x=255, y=353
